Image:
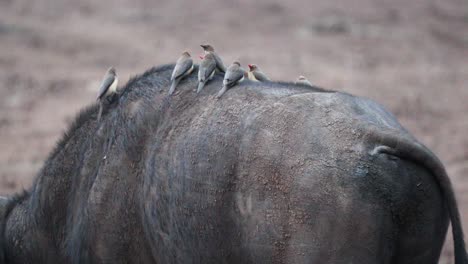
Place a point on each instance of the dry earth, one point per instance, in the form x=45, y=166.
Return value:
x=411, y=56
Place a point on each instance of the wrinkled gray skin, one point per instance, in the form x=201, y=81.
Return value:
x=273, y=173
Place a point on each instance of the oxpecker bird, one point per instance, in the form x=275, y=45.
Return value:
x=255, y=74
x=183, y=68
x=303, y=80
x=219, y=63
x=108, y=87
x=234, y=74
x=206, y=70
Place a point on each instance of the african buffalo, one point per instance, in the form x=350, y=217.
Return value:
x=269, y=173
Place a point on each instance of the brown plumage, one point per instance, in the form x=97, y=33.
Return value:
x=234, y=74
x=183, y=68
x=108, y=84
x=255, y=74
x=303, y=80
x=206, y=70
x=107, y=88
x=219, y=63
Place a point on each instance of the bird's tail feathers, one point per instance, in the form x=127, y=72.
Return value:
x=200, y=86
x=222, y=92
x=173, y=86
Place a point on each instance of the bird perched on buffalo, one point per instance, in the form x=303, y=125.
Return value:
x=255, y=74
x=206, y=70
x=303, y=80
x=219, y=63
x=108, y=87
x=183, y=68
x=234, y=74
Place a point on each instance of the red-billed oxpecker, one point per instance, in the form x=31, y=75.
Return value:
x=255, y=74
x=234, y=74
x=183, y=68
x=219, y=63
x=206, y=70
x=108, y=87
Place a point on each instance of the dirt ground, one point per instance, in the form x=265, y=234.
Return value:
x=411, y=56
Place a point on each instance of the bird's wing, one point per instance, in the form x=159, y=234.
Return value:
x=209, y=67
x=201, y=72
x=182, y=66
x=106, y=83
x=233, y=75
x=260, y=76
x=219, y=63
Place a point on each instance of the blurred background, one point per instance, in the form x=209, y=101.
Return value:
x=411, y=56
